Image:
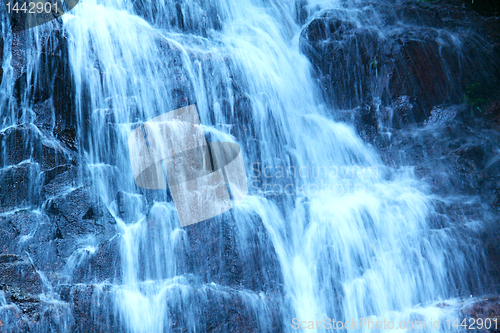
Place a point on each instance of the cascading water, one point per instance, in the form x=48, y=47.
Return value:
x=352, y=238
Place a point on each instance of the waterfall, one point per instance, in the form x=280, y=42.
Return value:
x=327, y=230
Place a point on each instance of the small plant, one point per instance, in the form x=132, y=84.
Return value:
x=474, y=98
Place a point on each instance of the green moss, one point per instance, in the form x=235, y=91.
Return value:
x=474, y=97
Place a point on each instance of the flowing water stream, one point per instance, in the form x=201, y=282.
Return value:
x=352, y=237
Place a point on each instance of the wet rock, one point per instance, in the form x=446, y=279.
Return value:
x=9, y=258
x=406, y=111
x=37, y=162
x=256, y=268
x=30, y=233
x=301, y=11
x=488, y=307
x=366, y=121
x=20, y=186
x=456, y=158
x=195, y=18
x=81, y=212
x=51, y=83
x=60, y=179
x=44, y=116
x=38, y=236
x=451, y=156
x=92, y=307
x=53, y=155
x=423, y=69
x=18, y=144
x=441, y=115
x=24, y=154
x=1, y=57
x=54, y=82
x=216, y=309
x=471, y=155
x=68, y=137
x=240, y=116
x=19, y=223
x=12, y=320
x=22, y=275
x=491, y=241
x=18, y=56
x=344, y=71
x=485, y=8
x=130, y=205
x=75, y=220
x=27, y=314
x=386, y=52
x=492, y=113
x=226, y=311
x=104, y=264
x=25, y=142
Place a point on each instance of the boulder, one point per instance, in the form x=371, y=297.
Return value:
x=406, y=111
x=488, y=307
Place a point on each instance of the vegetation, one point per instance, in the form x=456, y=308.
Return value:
x=474, y=97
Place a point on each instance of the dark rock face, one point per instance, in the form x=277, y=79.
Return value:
x=126, y=200
x=391, y=71
x=47, y=206
x=79, y=212
x=366, y=121
x=343, y=74
x=216, y=310
x=405, y=112
x=184, y=16
x=486, y=308
x=456, y=160
x=26, y=142
x=420, y=82
x=485, y=8
x=255, y=269
x=58, y=238
x=19, y=186
x=21, y=274
x=407, y=56
x=92, y=307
